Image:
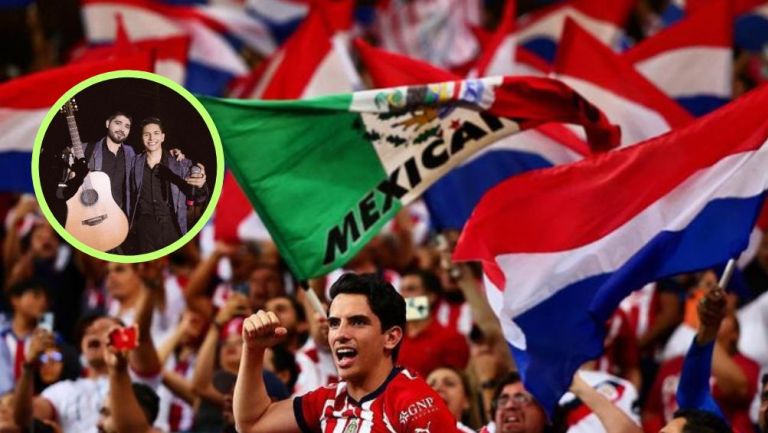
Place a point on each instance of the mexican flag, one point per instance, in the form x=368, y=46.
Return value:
x=326, y=174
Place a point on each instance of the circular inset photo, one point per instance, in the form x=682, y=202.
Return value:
x=127, y=166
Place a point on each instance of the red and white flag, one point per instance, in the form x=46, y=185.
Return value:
x=24, y=103
x=613, y=85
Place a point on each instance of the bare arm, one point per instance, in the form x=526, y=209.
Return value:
x=201, y=277
x=127, y=415
x=731, y=380
x=614, y=420
x=179, y=386
x=144, y=360
x=202, y=379
x=254, y=411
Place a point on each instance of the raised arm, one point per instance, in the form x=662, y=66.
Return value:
x=144, y=360
x=614, y=420
x=253, y=409
x=122, y=404
x=693, y=390
x=201, y=277
x=202, y=379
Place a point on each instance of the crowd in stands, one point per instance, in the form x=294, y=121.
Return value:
x=189, y=309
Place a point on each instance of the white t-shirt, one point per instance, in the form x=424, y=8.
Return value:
x=316, y=368
x=77, y=402
x=619, y=391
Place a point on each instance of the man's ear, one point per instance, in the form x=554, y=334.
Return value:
x=393, y=335
x=106, y=124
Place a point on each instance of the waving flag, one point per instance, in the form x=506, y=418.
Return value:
x=24, y=103
x=313, y=62
x=435, y=31
x=213, y=60
x=282, y=17
x=613, y=85
x=352, y=161
x=452, y=198
x=170, y=54
x=498, y=55
x=540, y=33
x=691, y=61
x=571, y=243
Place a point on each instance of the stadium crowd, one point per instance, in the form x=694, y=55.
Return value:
x=60, y=372
x=190, y=307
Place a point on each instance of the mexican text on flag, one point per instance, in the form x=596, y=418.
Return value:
x=325, y=174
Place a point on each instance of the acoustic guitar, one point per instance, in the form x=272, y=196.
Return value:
x=93, y=216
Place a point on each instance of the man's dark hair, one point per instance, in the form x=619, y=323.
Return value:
x=148, y=400
x=702, y=421
x=383, y=299
x=86, y=321
x=119, y=113
x=764, y=379
x=428, y=279
x=508, y=379
x=284, y=360
x=153, y=120
x=28, y=285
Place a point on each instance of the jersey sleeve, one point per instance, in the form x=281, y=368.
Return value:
x=308, y=408
x=693, y=391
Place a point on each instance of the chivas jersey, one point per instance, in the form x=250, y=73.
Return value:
x=404, y=403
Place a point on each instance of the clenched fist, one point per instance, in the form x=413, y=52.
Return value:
x=262, y=330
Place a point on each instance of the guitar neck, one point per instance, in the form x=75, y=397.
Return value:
x=77, y=145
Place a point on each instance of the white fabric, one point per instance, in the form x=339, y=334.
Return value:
x=619, y=391
x=312, y=374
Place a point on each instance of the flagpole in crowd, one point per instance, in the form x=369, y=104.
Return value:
x=727, y=273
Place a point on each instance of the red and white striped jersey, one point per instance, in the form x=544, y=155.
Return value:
x=404, y=403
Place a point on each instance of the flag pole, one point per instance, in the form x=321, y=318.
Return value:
x=314, y=301
x=727, y=273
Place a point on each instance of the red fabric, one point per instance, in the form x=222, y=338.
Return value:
x=406, y=403
x=174, y=415
x=18, y=362
x=709, y=27
x=661, y=402
x=581, y=55
x=557, y=218
x=621, y=352
x=435, y=346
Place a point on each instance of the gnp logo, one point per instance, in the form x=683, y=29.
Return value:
x=417, y=410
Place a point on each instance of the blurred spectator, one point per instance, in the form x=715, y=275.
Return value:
x=129, y=407
x=213, y=383
x=756, y=273
x=426, y=343
x=735, y=379
x=178, y=355
x=41, y=254
x=620, y=354
x=454, y=388
x=124, y=286
x=314, y=359
x=698, y=410
x=29, y=300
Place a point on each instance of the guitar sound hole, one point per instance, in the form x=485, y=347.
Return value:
x=89, y=197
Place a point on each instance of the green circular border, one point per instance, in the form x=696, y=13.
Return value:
x=216, y=188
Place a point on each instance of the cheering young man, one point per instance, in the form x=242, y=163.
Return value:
x=366, y=319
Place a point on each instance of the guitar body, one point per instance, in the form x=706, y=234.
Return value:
x=93, y=217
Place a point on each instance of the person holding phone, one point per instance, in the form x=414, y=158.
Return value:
x=426, y=343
